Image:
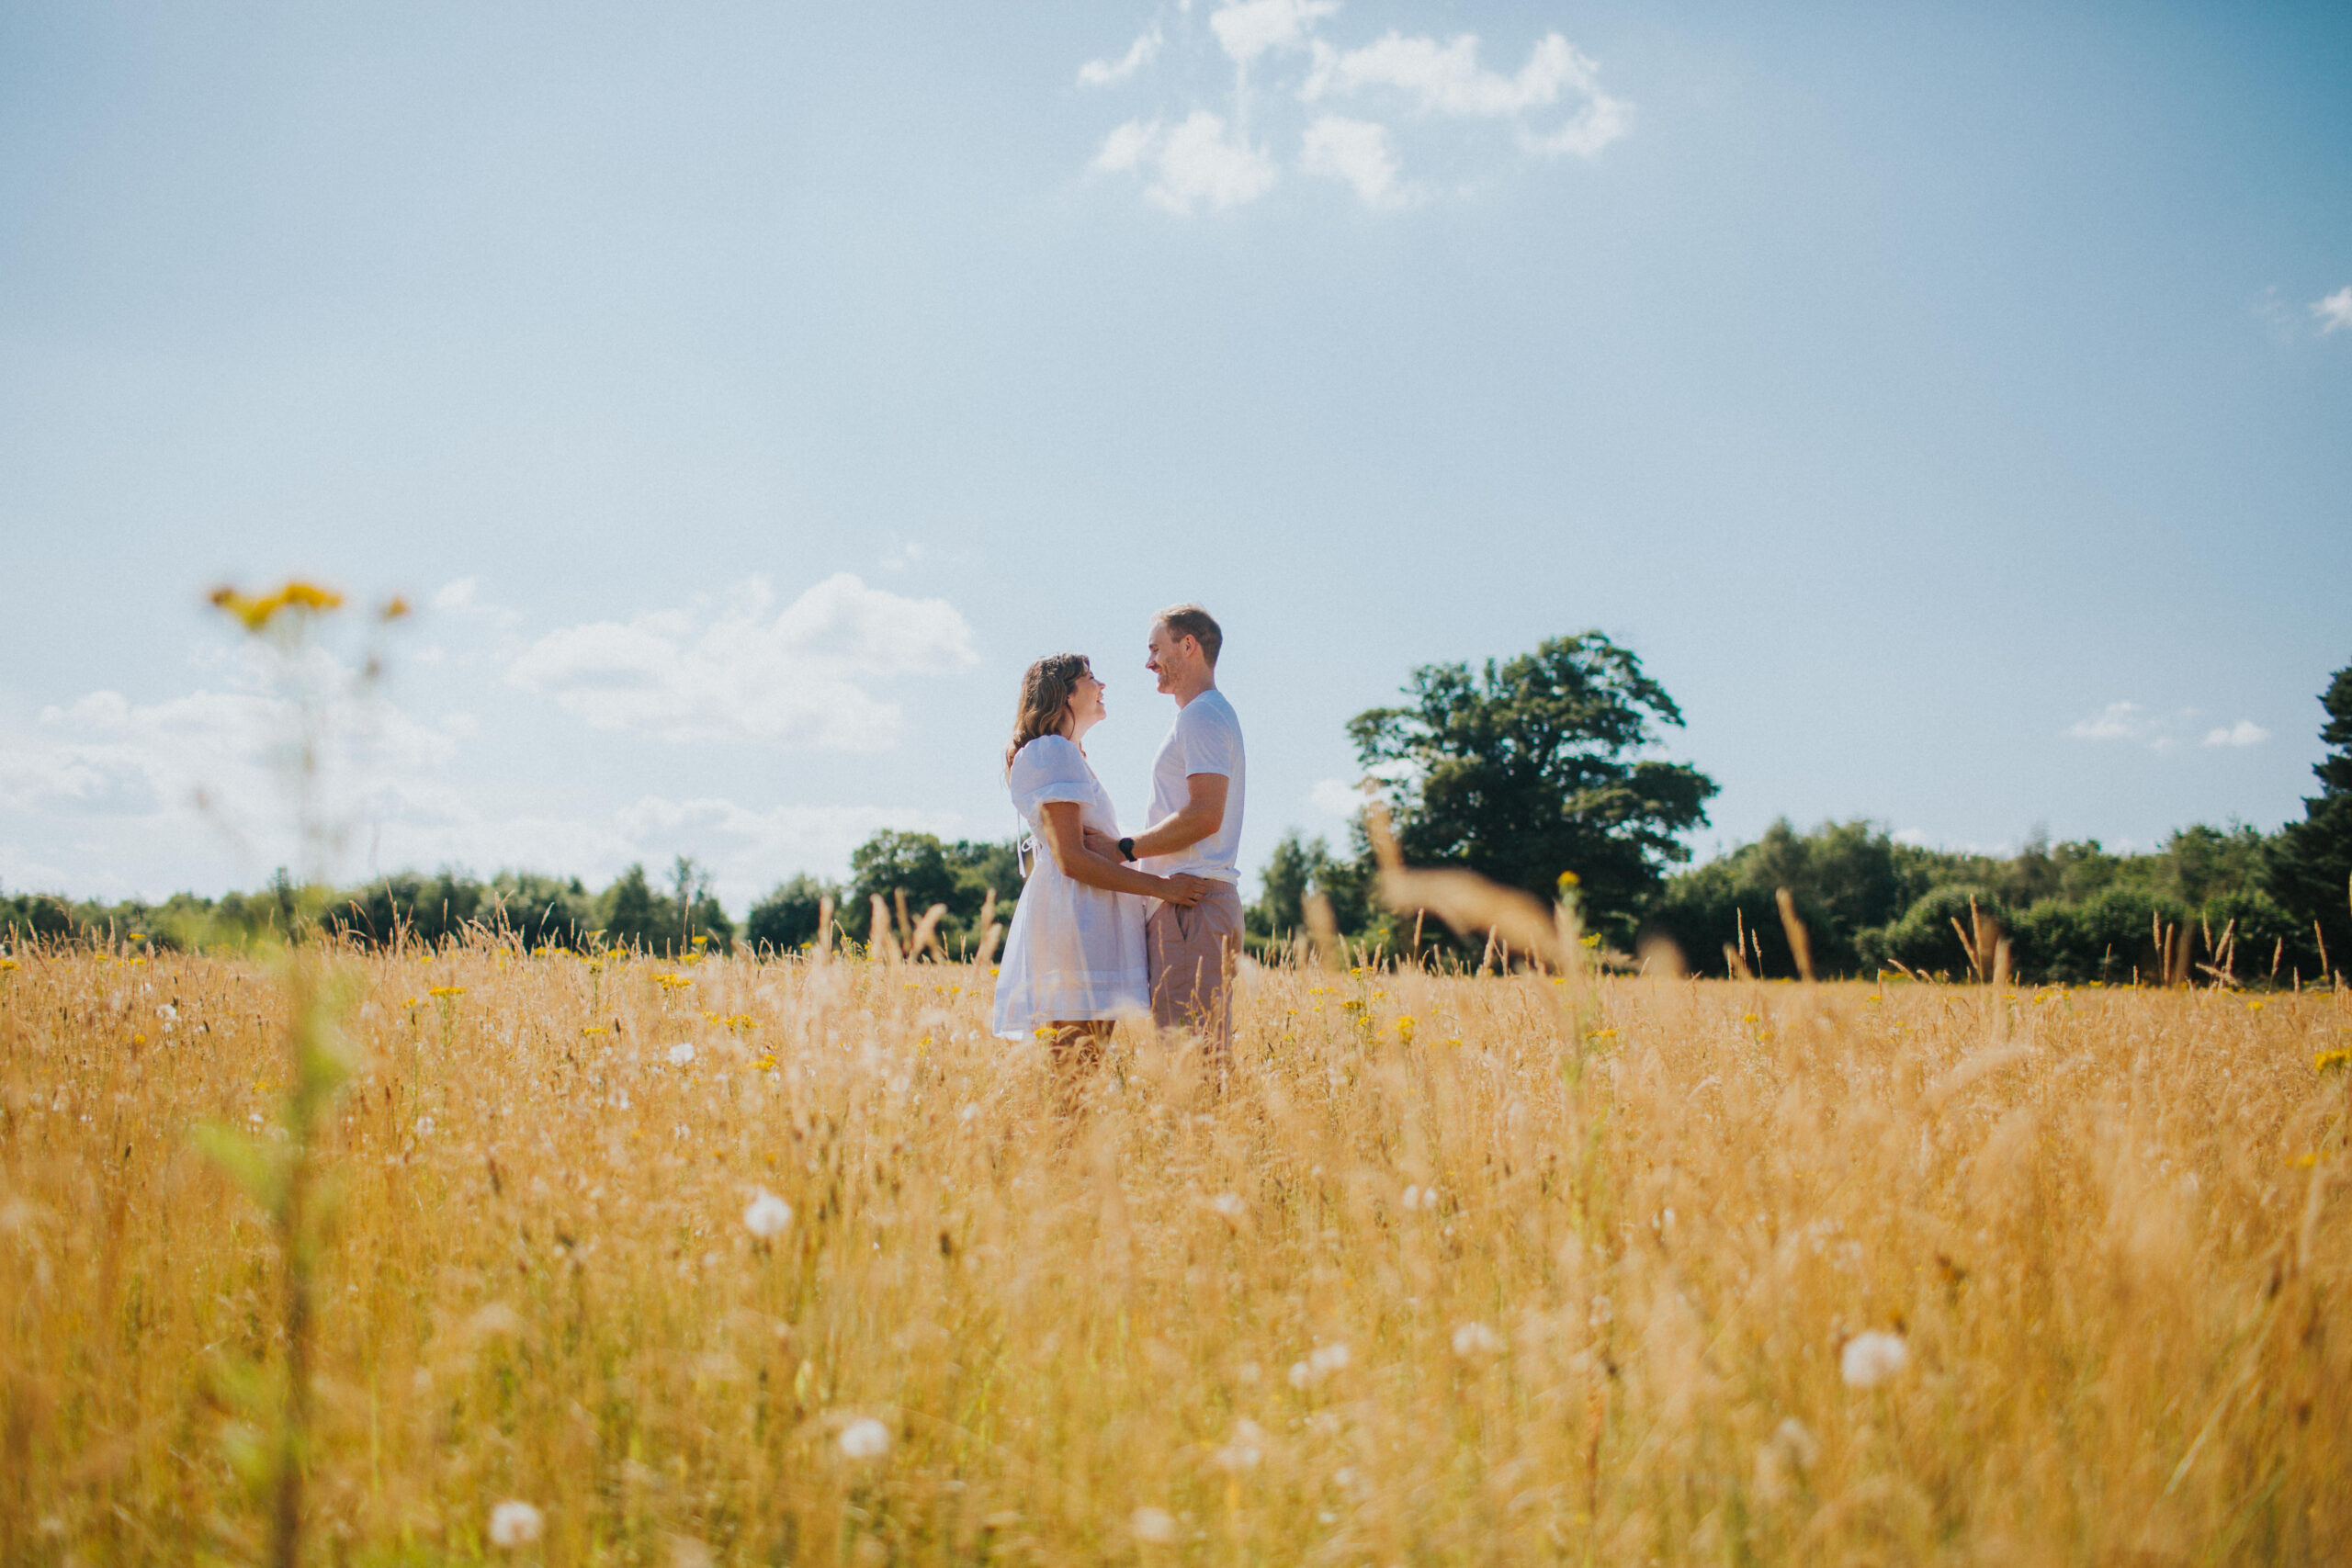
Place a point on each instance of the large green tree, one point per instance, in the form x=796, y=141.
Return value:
x=2310, y=862
x=1531, y=767
x=929, y=871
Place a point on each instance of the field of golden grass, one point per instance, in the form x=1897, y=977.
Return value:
x=1457, y=1270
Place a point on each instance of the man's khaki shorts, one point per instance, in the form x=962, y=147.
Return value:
x=1193, y=954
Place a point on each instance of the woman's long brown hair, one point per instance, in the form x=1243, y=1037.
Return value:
x=1046, y=687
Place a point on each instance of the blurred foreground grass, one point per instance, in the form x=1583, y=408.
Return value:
x=1453, y=1274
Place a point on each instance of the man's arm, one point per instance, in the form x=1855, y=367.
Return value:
x=1202, y=814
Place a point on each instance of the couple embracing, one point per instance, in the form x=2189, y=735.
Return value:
x=1113, y=925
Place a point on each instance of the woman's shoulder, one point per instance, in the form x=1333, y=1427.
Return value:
x=1054, y=755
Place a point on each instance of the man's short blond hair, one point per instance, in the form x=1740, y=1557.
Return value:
x=1191, y=621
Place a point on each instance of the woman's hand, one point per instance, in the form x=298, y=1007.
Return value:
x=1184, y=889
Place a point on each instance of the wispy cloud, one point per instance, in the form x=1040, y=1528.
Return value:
x=2244, y=732
x=2117, y=721
x=1248, y=29
x=2335, y=313
x=2161, y=732
x=1230, y=154
x=1201, y=162
x=1107, y=73
x=1336, y=798
x=109, y=796
x=1358, y=151
x=808, y=673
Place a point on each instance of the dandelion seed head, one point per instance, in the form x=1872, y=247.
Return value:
x=514, y=1524
x=1155, y=1526
x=682, y=1053
x=1476, y=1340
x=1873, y=1356
x=768, y=1215
x=864, y=1438
x=1245, y=1451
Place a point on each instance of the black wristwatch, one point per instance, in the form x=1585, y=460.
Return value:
x=1126, y=848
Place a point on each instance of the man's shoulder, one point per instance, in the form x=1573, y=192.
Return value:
x=1213, y=708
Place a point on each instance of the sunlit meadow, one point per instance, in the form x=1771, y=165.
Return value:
x=789, y=1261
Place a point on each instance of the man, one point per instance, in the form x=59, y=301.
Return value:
x=1196, y=788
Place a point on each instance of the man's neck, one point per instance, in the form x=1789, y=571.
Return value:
x=1184, y=699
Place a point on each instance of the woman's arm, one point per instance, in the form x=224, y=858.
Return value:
x=1066, y=836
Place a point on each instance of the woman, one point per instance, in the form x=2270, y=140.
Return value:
x=1074, y=960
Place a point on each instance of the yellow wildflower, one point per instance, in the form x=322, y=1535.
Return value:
x=2326, y=1061
x=448, y=990
x=256, y=613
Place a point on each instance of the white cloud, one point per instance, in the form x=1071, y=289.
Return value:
x=1598, y=123
x=2138, y=726
x=1336, y=798
x=804, y=674
x=2117, y=721
x=456, y=596
x=2335, y=313
x=1248, y=29
x=125, y=784
x=1197, y=162
x=1446, y=79
x=1226, y=156
x=1105, y=73
x=1360, y=152
x=107, y=790
x=1126, y=147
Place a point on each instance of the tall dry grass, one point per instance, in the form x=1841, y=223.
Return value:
x=1459, y=1288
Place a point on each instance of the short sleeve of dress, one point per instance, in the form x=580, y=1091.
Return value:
x=1048, y=769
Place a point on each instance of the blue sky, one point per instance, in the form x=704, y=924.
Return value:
x=1948, y=405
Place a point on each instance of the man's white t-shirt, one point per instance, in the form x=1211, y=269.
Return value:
x=1206, y=738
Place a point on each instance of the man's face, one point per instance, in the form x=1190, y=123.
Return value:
x=1164, y=656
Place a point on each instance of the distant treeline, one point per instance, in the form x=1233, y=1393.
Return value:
x=2070, y=912
x=679, y=915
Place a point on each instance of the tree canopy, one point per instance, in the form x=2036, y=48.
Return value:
x=2310, y=870
x=1531, y=768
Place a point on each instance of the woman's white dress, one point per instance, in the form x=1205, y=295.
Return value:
x=1074, y=951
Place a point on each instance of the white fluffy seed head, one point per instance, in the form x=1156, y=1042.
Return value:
x=514, y=1524
x=1157, y=1525
x=1873, y=1356
x=682, y=1053
x=864, y=1438
x=768, y=1215
x=1476, y=1340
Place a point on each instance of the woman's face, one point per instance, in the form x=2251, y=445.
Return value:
x=1086, y=701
